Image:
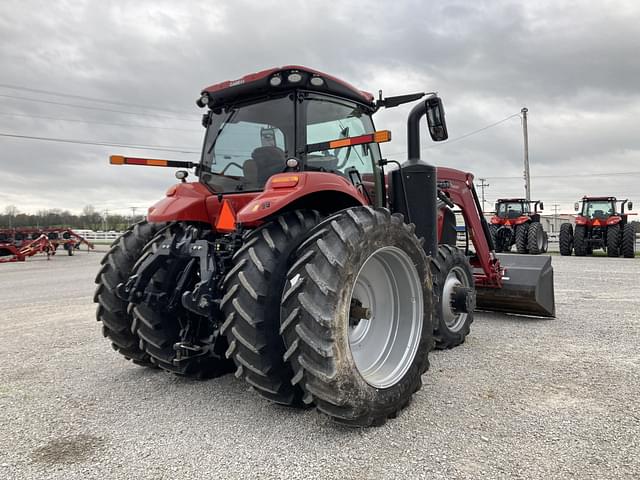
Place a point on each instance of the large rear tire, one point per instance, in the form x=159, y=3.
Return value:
x=629, y=241
x=522, y=238
x=356, y=316
x=160, y=330
x=251, y=305
x=536, y=239
x=614, y=239
x=117, y=266
x=566, y=239
x=450, y=269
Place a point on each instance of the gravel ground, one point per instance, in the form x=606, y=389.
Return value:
x=521, y=399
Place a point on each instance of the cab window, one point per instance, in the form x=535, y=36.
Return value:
x=327, y=120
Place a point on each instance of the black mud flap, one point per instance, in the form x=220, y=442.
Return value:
x=527, y=287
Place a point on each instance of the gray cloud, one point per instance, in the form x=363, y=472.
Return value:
x=572, y=64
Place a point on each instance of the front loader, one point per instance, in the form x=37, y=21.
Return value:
x=299, y=261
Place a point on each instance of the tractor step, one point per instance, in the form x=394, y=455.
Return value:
x=527, y=287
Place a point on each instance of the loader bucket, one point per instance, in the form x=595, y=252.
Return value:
x=527, y=287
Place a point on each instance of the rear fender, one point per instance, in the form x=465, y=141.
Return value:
x=322, y=191
x=614, y=220
x=184, y=202
x=580, y=220
x=521, y=220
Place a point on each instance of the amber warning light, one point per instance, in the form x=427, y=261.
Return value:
x=149, y=162
x=381, y=136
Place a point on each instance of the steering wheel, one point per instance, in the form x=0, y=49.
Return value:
x=230, y=164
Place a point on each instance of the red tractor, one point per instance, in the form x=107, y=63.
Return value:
x=600, y=224
x=301, y=263
x=516, y=224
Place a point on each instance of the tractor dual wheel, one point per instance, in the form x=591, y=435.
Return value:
x=522, y=238
x=162, y=331
x=614, y=240
x=579, y=241
x=493, y=234
x=356, y=316
x=566, y=239
x=453, y=297
x=536, y=239
x=629, y=241
x=251, y=305
x=117, y=266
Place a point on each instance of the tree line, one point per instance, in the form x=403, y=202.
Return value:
x=89, y=219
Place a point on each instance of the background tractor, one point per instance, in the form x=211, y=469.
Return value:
x=516, y=224
x=299, y=261
x=601, y=223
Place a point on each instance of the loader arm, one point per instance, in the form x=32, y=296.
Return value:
x=520, y=284
x=458, y=186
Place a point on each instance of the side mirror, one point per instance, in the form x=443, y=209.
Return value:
x=629, y=205
x=541, y=205
x=496, y=207
x=435, y=119
x=576, y=206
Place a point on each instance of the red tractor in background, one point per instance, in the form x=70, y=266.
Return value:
x=600, y=224
x=515, y=224
x=298, y=262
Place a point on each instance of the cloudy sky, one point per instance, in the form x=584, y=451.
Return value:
x=129, y=72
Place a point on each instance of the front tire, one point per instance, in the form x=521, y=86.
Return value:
x=450, y=269
x=251, y=306
x=566, y=239
x=579, y=241
x=613, y=240
x=522, y=238
x=360, y=286
x=535, y=239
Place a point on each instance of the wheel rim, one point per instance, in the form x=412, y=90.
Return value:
x=455, y=278
x=384, y=345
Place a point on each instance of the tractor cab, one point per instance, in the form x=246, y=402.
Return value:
x=291, y=119
x=600, y=208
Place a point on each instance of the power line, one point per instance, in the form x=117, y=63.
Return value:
x=102, y=144
x=87, y=107
x=461, y=137
x=78, y=120
x=568, y=175
x=90, y=99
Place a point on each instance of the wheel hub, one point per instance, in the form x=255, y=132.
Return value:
x=458, y=299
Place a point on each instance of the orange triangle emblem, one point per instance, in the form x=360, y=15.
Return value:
x=596, y=222
x=226, y=221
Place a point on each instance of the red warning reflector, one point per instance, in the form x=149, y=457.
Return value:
x=226, y=221
x=596, y=222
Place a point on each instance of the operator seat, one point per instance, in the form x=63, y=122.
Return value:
x=264, y=162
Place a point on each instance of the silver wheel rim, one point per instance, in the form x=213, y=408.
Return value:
x=384, y=346
x=455, y=278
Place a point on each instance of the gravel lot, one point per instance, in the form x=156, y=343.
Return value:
x=521, y=399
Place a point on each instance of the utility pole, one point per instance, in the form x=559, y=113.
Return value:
x=133, y=213
x=482, y=185
x=555, y=217
x=104, y=220
x=527, y=182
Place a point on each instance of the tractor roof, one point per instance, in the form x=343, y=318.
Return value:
x=613, y=199
x=280, y=79
x=521, y=200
